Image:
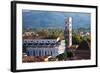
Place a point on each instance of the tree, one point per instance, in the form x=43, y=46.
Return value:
x=76, y=39
x=65, y=55
x=83, y=45
x=43, y=32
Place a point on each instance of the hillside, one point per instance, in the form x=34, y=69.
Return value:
x=47, y=19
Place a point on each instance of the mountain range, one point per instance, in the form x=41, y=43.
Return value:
x=51, y=19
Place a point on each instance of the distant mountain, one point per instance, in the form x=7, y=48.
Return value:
x=47, y=19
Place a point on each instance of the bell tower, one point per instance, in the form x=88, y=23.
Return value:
x=68, y=31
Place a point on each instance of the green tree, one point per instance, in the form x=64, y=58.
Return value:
x=43, y=32
x=76, y=39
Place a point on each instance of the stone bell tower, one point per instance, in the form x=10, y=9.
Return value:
x=68, y=31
